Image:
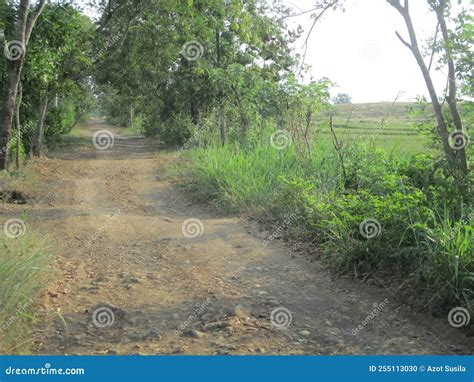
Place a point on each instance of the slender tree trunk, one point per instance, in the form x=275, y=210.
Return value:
x=220, y=117
x=132, y=115
x=18, y=126
x=451, y=97
x=39, y=132
x=414, y=47
x=10, y=92
x=24, y=27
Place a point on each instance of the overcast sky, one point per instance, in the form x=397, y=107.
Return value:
x=359, y=51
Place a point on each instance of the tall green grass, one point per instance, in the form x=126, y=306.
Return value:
x=25, y=264
x=425, y=242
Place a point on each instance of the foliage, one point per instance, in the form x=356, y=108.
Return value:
x=342, y=99
x=425, y=242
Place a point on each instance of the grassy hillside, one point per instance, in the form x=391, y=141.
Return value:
x=387, y=124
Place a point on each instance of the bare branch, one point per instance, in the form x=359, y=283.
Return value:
x=404, y=42
x=318, y=17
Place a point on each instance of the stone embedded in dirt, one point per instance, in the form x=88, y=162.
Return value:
x=112, y=351
x=214, y=326
x=241, y=312
x=194, y=334
x=304, y=333
x=260, y=350
x=152, y=334
x=135, y=280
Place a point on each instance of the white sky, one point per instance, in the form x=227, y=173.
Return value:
x=359, y=51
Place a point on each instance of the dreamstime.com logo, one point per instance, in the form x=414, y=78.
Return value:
x=192, y=50
x=378, y=307
x=458, y=140
x=370, y=228
x=103, y=317
x=45, y=370
x=14, y=50
x=192, y=228
x=22, y=309
x=281, y=139
x=281, y=318
x=14, y=228
x=458, y=317
x=103, y=140
x=199, y=309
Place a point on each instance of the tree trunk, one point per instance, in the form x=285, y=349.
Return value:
x=38, y=139
x=8, y=111
x=132, y=115
x=451, y=97
x=413, y=46
x=220, y=111
x=24, y=27
x=18, y=126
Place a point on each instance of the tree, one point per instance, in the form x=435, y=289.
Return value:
x=240, y=55
x=16, y=50
x=59, y=57
x=342, y=99
x=456, y=156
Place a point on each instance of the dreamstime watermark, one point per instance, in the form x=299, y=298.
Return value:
x=371, y=50
x=14, y=228
x=281, y=139
x=14, y=50
x=103, y=228
x=103, y=317
x=200, y=308
x=103, y=139
x=192, y=228
x=281, y=228
x=370, y=228
x=108, y=43
x=195, y=137
x=372, y=316
x=458, y=317
x=192, y=50
x=281, y=318
x=7, y=147
x=458, y=140
x=465, y=220
x=46, y=370
x=21, y=310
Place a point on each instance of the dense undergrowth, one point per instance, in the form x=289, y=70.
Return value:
x=396, y=221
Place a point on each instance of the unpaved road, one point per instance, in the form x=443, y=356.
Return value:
x=130, y=282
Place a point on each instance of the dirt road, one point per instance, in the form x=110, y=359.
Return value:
x=132, y=279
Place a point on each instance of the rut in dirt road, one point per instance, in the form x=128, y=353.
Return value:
x=142, y=270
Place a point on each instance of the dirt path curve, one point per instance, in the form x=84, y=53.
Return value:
x=130, y=281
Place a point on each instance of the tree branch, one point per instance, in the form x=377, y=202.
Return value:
x=409, y=46
x=32, y=20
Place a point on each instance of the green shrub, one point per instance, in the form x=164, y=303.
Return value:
x=413, y=204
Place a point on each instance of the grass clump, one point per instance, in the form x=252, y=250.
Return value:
x=25, y=263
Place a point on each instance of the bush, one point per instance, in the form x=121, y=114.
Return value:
x=389, y=218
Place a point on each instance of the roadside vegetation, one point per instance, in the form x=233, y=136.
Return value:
x=384, y=193
x=26, y=265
